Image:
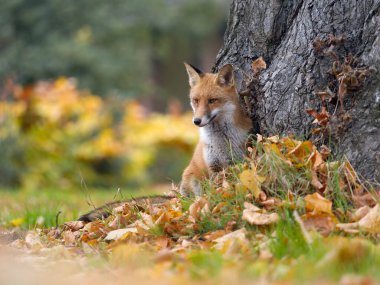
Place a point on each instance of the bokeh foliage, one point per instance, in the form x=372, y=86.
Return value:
x=54, y=135
x=132, y=48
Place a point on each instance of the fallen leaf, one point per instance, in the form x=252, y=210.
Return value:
x=318, y=204
x=325, y=152
x=315, y=182
x=321, y=223
x=261, y=219
x=214, y=235
x=234, y=242
x=69, y=237
x=74, y=225
x=370, y=223
x=250, y=179
x=33, y=241
x=301, y=152
x=118, y=234
x=360, y=213
x=197, y=207
x=164, y=255
x=251, y=207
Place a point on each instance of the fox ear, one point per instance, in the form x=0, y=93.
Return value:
x=194, y=74
x=225, y=76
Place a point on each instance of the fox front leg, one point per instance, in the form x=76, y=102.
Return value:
x=190, y=186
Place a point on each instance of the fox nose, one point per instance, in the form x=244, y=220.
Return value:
x=197, y=121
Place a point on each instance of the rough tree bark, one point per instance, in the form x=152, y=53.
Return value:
x=283, y=33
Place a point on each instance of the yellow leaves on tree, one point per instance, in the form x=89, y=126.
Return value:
x=65, y=133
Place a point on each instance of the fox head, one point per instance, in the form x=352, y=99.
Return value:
x=212, y=96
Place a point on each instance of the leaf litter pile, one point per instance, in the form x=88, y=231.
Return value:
x=287, y=213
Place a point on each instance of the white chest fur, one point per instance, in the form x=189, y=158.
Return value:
x=223, y=143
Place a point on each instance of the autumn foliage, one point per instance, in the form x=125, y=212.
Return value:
x=57, y=136
x=285, y=205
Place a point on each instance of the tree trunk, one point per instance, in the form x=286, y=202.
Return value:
x=284, y=33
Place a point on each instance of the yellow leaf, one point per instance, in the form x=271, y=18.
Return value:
x=273, y=148
x=316, y=203
x=301, y=152
x=17, y=222
x=252, y=181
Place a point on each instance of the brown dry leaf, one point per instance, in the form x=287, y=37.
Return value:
x=349, y=227
x=261, y=219
x=316, y=183
x=230, y=226
x=322, y=223
x=360, y=213
x=118, y=222
x=74, y=225
x=147, y=220
x=318, y=204
x=370, y=223
x=262, y=196
x=69, y=237
x=164, y=255
x=321, y=118
x=354, y=279
x=312, y=112
x=33, y=241
x=350, y=173
x=272, y=203
x=251, y=207
x=319, y=45
x=316, y=160
x=123, y=209
x=366, y=199
x=96, y=229
x=232, y=243
x=325, y=152
x=214, y=235
x=342, y=90
x=197, y=207
x=258, y=65
x=120, y=233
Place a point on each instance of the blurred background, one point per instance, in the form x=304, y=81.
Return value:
x=93, y=93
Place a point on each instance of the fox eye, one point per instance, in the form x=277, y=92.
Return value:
x=195, y=101
x=212, y=100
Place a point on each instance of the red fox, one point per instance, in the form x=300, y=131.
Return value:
x=224, y=126
x=224, y=129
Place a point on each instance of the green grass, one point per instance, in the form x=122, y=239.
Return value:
x=289, y=240
x=31, y=209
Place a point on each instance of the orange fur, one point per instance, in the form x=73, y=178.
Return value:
x=221, y=118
